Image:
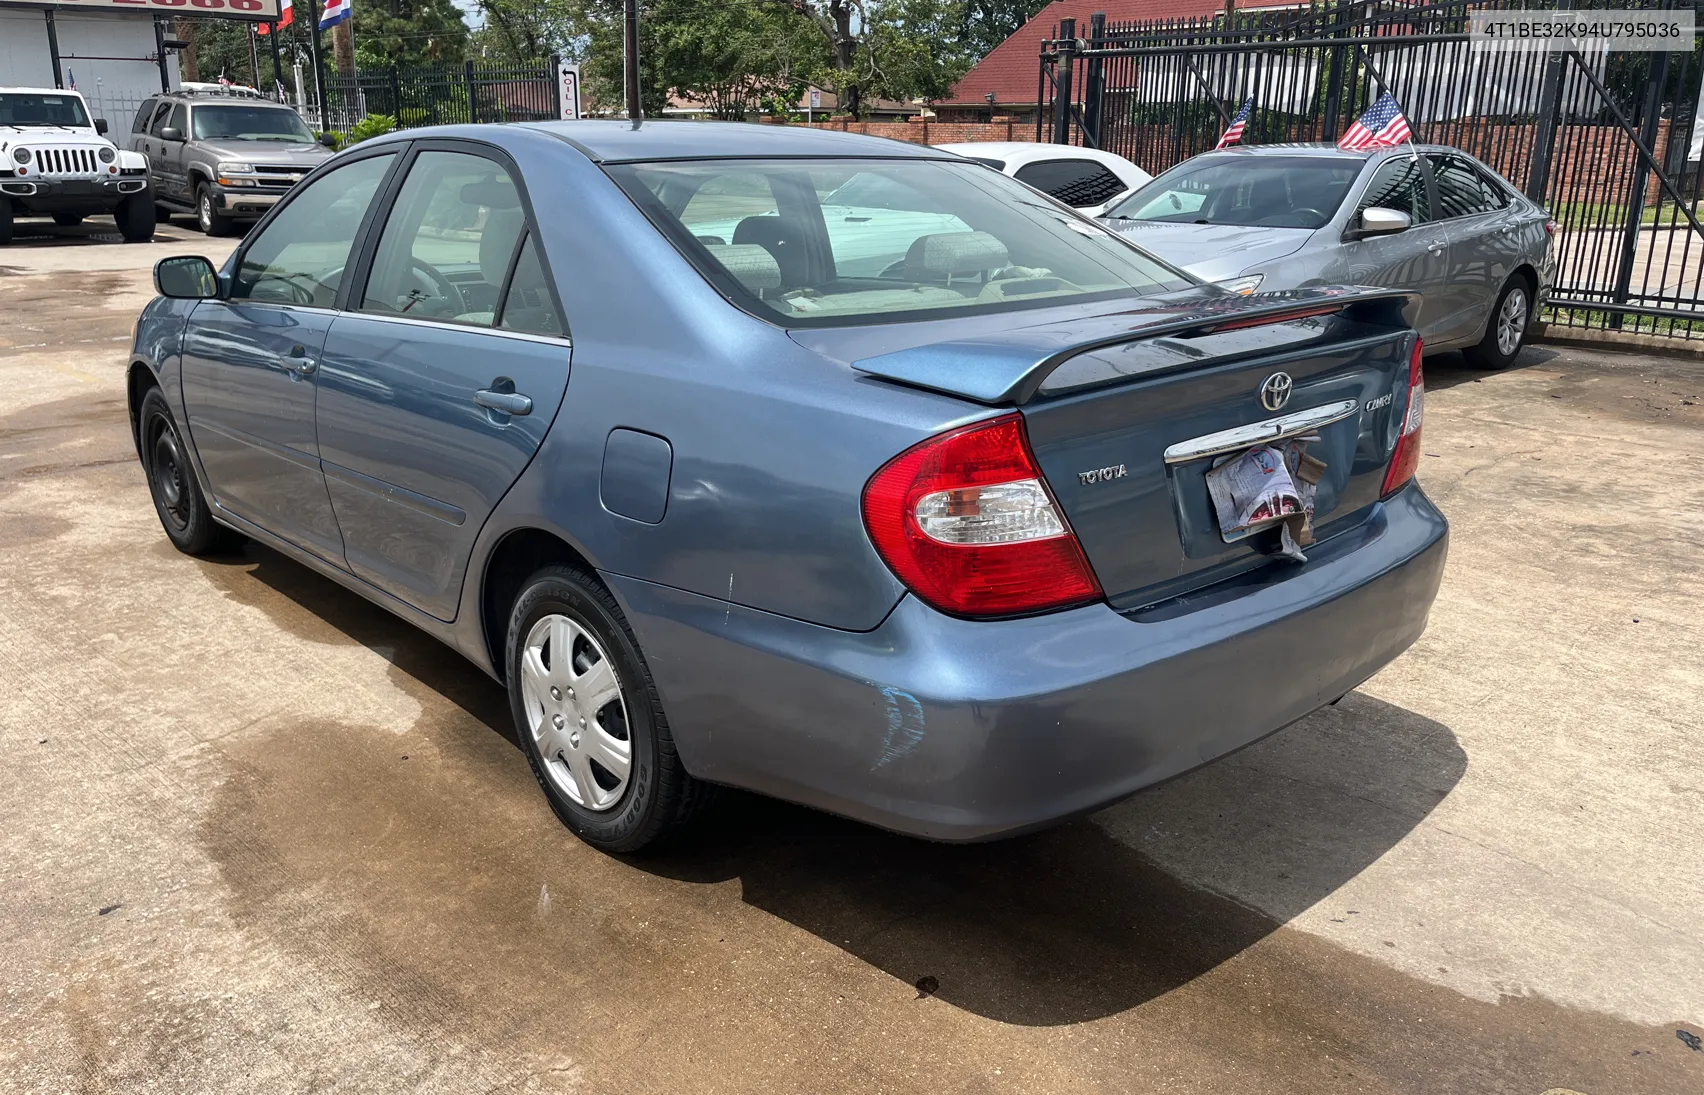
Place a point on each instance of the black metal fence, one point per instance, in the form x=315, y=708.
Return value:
x=1604, y=140
x=441, y=95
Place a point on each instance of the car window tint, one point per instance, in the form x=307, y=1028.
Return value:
x=448, y=242
x=529, y=305
x=1077, y=183
x=1461, y=192
x=180, y=119
x=846, y=241
x=1399, y=185
x=1495, y=193
x=298, y=258
x=144, y=115
x=161, y=113
x=1258, y=191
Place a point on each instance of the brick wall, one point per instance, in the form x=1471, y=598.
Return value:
x=918, y=130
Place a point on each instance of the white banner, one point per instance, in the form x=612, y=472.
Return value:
x=263, y=11
x=568, y=87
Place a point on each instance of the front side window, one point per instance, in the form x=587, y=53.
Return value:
x=299, y=257
x=144, y=114
x=1252, y=191
x=161, y=113
x=179, y=120
x=1399, y=185
x=32, y=108
x=827, y=242
x=1461, y=192
x=1078, y=183
x=449, y=241
x=250, y=123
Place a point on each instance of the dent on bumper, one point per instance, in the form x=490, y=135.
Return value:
x=960, y=730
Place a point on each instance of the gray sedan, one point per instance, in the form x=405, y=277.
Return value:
x=1433, y=219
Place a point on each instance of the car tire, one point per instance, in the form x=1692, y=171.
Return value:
x=68, y=220
x=135, y=218
x=575, y=720
x=5, y=220
x=1505, y=331
x=207, y=216
x=183, y=509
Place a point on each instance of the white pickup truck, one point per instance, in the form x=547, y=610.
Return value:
x=55, y=162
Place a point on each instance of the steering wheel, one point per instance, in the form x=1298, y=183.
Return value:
x=443, y=288
x=1279, y=220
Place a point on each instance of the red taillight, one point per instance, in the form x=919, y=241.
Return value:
x=1550, y=228
x=967, y=523
x=1407, y=455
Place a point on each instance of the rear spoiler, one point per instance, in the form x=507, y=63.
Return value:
x=1009, y=368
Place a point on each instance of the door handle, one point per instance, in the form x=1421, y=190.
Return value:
x=297, y=361
x=503, y=402
x=1435, y=248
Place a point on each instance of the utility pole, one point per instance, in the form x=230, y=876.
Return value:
x=254, y=57
x=631, y=20
x=319, y=67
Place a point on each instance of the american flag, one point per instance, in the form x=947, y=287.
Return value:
x=1382, y=126
x=1238, y=124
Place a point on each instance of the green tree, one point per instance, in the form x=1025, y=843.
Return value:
x=408, y=32
x=732, y=57
x=987, y=23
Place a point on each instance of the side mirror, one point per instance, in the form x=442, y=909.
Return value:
x=171, y=133
x=329, y=140
x=186, y=277
x=1379, y=221
x=101, y=126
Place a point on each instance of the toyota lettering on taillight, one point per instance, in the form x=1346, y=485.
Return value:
x=966, y=521
x=1407, y=455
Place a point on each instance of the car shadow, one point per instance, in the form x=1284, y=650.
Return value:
x=1071, y=924
x=1448, y=369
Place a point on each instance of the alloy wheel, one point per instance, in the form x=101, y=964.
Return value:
x=204, y=213
x=1512, y=322
x=576, y=713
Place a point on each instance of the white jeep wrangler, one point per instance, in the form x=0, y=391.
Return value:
x=55, y=162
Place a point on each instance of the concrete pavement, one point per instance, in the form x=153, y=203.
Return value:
x=257, y=835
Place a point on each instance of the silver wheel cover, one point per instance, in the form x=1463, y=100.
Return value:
x=1511, y=322
x=576, y=713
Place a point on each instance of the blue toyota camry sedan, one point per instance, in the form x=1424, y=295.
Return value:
x=847, y=471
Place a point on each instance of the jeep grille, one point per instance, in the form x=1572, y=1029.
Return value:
x=66, y=161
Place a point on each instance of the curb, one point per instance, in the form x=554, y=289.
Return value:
x=1586, y=338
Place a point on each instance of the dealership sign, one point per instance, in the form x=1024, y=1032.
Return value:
x=259, y=10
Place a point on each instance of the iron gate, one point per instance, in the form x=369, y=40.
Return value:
x=1603, y=140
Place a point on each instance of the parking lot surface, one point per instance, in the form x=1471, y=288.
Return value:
x=258, y=836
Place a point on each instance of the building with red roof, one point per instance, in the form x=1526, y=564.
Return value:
x=1011, y=70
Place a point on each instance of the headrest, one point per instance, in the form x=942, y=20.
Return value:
x=752, y=266
x=492, y=194
x=953, y=254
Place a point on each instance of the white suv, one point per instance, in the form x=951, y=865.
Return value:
x=55, y=162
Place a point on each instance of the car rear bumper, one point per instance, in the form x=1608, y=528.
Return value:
x=960, y=730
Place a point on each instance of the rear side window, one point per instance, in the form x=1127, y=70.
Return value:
x=529, y=305
x=144, y=114
x=448, y=243
x=1461, y=190
x=1077, y=183
x=1399, y=185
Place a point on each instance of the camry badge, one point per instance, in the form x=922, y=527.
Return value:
x=1275, y=391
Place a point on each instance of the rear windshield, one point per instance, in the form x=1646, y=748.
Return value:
x=1260, y=191
x=831, y=242
x=250, y=123
x=22, y=108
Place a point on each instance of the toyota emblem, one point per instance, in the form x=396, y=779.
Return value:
x=1275, y=391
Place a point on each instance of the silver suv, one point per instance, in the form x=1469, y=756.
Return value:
x=226, y=158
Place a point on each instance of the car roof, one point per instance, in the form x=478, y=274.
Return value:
x=618, y=141
x=41, y=90
x=1028, y=151
x=1322, y=149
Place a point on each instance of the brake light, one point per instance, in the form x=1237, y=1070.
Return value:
x=1407, y=455
x=966, y=521
x=1550, y=227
